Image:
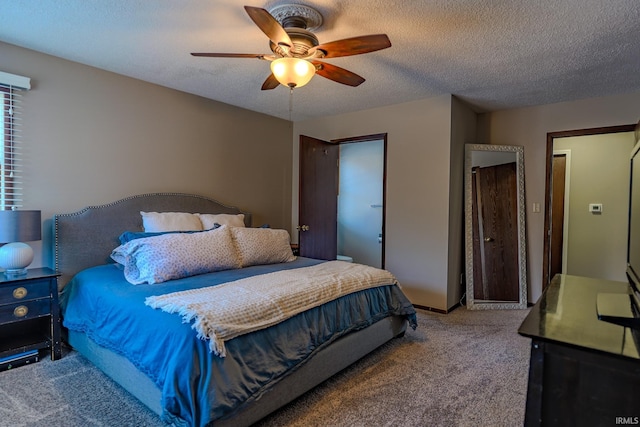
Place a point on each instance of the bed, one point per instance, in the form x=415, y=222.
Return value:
x=157, y=356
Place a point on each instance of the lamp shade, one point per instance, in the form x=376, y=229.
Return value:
x=20, y=226
x=293, y=72
x=16, y=227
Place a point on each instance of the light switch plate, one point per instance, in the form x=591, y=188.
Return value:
x=595, y=208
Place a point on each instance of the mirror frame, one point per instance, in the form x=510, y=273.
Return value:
x=473, y=304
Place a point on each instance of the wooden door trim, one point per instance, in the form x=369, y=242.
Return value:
x=547, y=193
x=367, y=138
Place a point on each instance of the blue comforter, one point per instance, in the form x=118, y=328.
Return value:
x=197, y=386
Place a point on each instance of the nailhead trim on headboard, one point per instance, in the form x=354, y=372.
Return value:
x=92, y=232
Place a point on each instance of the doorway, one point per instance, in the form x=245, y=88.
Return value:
x=556, y=251
x=319, y=224
x=360, y=204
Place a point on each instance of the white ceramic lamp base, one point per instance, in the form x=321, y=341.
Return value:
x=15, y=258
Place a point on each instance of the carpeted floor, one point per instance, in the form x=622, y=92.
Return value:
x=466, y=368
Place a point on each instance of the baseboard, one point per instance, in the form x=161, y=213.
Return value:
x=437, y=310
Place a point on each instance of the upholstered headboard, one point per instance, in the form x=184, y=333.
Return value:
x=86, y=238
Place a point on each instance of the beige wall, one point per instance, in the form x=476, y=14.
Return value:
x=94, y=137
x=420, y=234
x=598, y=173
x=529, y=127
x=463, y=131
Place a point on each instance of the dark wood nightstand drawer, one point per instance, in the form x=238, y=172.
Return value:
x=24, y=310
x=25, y=291
x=29, y=313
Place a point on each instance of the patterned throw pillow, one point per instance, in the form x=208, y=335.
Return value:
x=262, y=245
x=128, y=236
x=177, y=255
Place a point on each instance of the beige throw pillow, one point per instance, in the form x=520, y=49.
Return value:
x=170, y=221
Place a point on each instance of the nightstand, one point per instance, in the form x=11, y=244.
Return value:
x=295, y=248
x=29, y=313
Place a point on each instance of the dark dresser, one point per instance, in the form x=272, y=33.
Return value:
x=29, y=313
x=583, y=371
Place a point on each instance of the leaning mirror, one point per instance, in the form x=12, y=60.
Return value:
x=495, y=243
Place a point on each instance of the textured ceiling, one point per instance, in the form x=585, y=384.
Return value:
x=493, y=54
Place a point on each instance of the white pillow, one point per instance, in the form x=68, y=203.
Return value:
x=170, y=221
x=262, y=245
x=173, y=256
x=209, y=220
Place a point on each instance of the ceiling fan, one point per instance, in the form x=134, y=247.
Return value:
x=296, y=51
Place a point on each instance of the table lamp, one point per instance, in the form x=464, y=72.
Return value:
x=17, y=227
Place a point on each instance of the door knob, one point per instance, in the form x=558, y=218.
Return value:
x=302, y=228
x=488, y=239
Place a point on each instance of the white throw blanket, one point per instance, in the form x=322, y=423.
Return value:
x=235, y=308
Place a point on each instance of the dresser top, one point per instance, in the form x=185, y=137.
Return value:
x=32, y=273
x=566, y=314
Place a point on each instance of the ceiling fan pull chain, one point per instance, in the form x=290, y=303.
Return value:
x=290, y=102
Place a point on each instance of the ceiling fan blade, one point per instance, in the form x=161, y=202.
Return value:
x=269, y=25
x=230, y=55
x=270, y=83
x=354, y=45
x=337, y=74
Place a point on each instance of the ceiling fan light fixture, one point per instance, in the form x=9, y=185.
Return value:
x=293, y=72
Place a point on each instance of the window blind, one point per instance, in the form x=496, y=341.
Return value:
x=12, y=155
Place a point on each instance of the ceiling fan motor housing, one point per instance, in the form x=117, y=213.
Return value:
x=302, y=39
x=298, y=21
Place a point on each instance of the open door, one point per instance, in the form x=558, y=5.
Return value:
x=318, y=202
x=557, y=214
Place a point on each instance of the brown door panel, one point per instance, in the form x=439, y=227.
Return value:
x=557, y=213
x=318, y=201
